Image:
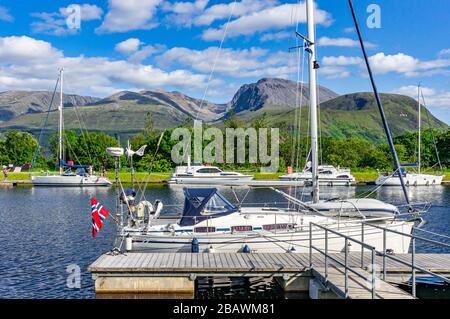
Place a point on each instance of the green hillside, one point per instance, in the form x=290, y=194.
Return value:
x=126, y=117
x=356, y=115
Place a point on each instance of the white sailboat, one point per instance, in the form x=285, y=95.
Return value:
x=412, y=178
x=205, y=175
x=80, y=177
x=328, y=175
x=210, y=223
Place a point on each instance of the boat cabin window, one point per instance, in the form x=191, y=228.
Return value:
x=278, y=226
x=343, y=176
x=326, y=172
x=204, y=229
x=241, y=228
x=209, y=170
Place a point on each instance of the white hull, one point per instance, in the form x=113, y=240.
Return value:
x=322, y=181
x=328, y=176
x=277, y=242
x=411, y=179
x=69, y=180
x=210, y=180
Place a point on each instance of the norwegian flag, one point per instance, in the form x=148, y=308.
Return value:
x=99, y=214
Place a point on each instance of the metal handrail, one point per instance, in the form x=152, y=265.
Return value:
x=413, y=265
x=409, y=235
x=345, y=264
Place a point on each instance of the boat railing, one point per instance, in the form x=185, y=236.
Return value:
x=344, y=264
x=413, y=263
x=385, y=254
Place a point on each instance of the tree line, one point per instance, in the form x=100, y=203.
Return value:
x=18, y=148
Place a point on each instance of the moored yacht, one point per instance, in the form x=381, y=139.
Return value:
x=410, y=178
x=205, y=175
x=328, y=175
x=413, y=178
x=210, y=223
x=66, y=176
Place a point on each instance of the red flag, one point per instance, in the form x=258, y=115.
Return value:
x=99, y=214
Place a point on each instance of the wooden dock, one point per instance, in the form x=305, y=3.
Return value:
x=169, y=272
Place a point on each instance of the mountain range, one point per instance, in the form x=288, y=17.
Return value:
x=125, y=112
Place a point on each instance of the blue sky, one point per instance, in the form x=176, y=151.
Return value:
x=173, y=45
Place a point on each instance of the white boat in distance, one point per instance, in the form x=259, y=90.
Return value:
x=413, y=178
x=79, y=178
x=205, y=175
x=328, y=175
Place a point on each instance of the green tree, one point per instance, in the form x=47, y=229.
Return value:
x=19, y=147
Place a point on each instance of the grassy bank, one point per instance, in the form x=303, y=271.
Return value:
x=159, y=178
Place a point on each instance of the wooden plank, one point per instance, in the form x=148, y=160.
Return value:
x=359, y=288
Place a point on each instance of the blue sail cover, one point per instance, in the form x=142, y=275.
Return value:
x=62, y=163
x=203, y=203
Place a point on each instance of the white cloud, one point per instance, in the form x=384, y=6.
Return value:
x=334, y=72
x=278, y=17
x=128, y=46
x=399, y=63
x=5, y=15
x=27, y=63
x=277, y=36
x=253, y=62
x=136, y=50
x=26, y=50
x=145, y=52
x=444, y=52
x=195, y=13
x=409, y=66
x=434, y=98
x=349, y=30
x=342, y=42
x=182, y=13
x=124, y=16
x=88, y=12
x=54, y=23
x=223, y=11
x=341, y=60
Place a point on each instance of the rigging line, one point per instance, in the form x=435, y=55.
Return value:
x=300, y=107
x=432, y=133
x=83, y=134
x=297, y=57
x=71, y=150
x=368, y=193
x=151, y=166
x=299, y=128
x=379, y=102
x=44, y=123
x=215, y=60
x=81, y=121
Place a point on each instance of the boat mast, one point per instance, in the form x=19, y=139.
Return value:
x=313, y=99
x=60, y=126
x=418, y=143
x=380, y=106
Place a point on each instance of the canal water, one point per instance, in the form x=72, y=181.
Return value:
x=45, y=236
